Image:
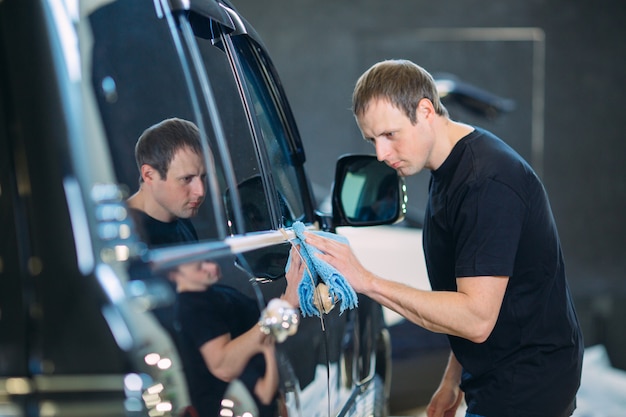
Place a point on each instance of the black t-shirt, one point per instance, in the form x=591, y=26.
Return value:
x=157, y=233
x=488, y=215
x=203, y=316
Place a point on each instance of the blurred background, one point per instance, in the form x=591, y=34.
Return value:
x=562, y=62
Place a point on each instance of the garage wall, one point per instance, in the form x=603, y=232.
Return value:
x=573, y=135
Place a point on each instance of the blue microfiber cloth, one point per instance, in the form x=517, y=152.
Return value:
x=338, y=287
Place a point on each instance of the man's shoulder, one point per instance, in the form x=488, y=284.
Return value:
x=484, y=141
x=492, y=158
x=156, y=233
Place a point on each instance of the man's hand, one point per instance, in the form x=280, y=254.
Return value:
x=445, y=401
x=294, y=275
x=342, y=258
x=448, y=397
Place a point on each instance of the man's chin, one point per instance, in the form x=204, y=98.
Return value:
x=407, y=172
x=188, y=213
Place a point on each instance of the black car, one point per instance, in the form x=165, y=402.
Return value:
x=79, y=82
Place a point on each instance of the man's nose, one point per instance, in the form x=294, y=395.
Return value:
x=198, y=186
x=382, y=150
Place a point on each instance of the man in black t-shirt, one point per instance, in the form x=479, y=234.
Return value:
x=492, y=251
x=171, y=190
x=172, y=182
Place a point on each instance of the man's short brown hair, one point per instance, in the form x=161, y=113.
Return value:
x=401, y=82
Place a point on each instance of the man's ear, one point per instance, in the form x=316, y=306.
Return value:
x=425, y=108
x=148, y=173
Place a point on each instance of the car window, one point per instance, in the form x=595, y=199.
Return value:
x=139, y=82
x=134, y=79
x=240, y=151
x=274, y=129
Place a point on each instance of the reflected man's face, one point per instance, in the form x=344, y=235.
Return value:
x=196, y=276
x=181, y=193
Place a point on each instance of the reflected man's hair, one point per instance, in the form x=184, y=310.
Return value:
x=158, y=144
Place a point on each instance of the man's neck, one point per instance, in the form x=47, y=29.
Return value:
x=187, y=287
x=457, y=131
x=141, y=201
x=449, y=133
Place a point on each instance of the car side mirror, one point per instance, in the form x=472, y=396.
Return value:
x=367, y=192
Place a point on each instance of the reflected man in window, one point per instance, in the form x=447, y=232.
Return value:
x=215, y=325
x=172, y=182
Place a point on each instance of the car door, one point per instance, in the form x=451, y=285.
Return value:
x=334, y=357
x=203, y=62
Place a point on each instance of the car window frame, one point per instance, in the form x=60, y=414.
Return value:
x=265, y=74
x=243, y=242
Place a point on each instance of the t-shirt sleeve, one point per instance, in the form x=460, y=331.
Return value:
x=488, y=229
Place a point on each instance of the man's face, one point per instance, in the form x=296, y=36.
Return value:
x=181, y=193
x=196, y=276
x=401, y=145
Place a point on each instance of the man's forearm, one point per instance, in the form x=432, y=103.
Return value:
x=470, y=312
x=227, y=358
